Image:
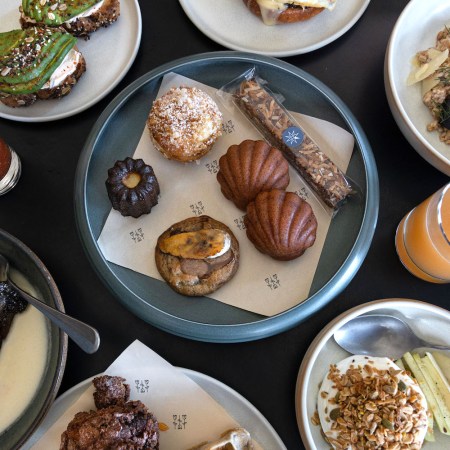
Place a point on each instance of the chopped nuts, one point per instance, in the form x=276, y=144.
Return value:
x=373, y=409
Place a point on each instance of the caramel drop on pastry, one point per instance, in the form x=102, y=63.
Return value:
x=196, y=244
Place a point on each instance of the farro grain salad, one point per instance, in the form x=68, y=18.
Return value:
x=431, y=67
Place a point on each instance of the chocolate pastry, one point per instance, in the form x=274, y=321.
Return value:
x=11, y=303
x=184, y=123
x=38, y=63
x=280, y=224
x=110, y=391
x=132, y=187
x=78, y=17
x=197, y=255
x=120, y=424
x=249, y=168
x=126, y=426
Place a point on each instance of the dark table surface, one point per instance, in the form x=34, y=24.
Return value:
x=263, y=371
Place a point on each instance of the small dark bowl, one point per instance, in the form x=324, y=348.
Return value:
x=25, y=261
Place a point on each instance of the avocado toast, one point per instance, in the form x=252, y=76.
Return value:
x=38, y=63
x=78, y=17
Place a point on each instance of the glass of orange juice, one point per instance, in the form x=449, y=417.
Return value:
x=422, y=240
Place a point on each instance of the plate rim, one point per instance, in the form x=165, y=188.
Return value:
x=267, y=326
x=324, y=335
x=97, y=98
x=280, y=53
x=193, y=375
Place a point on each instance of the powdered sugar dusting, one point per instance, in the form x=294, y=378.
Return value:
x=184, y=123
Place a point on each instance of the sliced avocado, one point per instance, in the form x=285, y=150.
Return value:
x=10, y=40
x=55, y=12
x=32, y=59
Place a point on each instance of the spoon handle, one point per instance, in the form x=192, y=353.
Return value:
x=82, y=334
x=436, y=346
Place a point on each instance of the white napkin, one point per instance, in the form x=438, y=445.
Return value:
x=261, y=284
x=192, y=416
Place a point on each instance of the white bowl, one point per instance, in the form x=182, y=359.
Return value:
x=415, y=30
x=429, y=322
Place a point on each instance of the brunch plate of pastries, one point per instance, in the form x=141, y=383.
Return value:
x=53, y=54
x=273, y=27
x=167, y=410
x=176, y=190
x=237, y=406
x=364, y=401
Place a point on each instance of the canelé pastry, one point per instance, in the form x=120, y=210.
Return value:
x=287, y=11
x=38, y=63
x=197, y=255
x=118, y=424
x=78, y=17
x=280, y=224
x=184, y=123
x=132, y=187
x=249, y=168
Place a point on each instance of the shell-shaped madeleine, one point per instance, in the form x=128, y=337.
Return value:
x=249, y=168
x=280, y=224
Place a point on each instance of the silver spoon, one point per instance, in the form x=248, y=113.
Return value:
x=82, y=334
x=380, y=335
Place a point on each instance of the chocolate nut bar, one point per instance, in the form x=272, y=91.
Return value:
x=275, y=124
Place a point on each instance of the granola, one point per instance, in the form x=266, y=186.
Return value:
x=370, y=403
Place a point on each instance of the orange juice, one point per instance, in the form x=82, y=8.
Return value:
x=445, y=215
x=422, y=239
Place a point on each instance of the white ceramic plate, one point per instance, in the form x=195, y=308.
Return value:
x=232, y=25
x=429, y=322
x=415, y=30
x=236, y=405
x=106, y=64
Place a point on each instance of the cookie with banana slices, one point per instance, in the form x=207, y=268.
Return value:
x=78, y=17
x=38, y=63
x=197, y=255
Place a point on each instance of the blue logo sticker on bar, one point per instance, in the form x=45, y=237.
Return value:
x=293, y=136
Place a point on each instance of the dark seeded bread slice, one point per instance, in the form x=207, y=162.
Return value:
x=84, y=26
x=59, y=91
x=170, y=266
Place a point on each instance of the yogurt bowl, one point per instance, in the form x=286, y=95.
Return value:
x=33, y=354
x=429, y=322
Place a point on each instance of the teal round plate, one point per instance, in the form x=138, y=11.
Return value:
x=116, y=135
